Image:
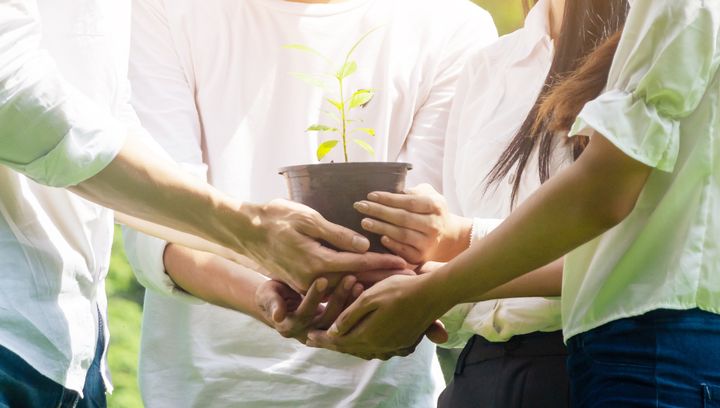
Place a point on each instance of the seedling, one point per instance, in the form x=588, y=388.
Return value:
x=344, y=105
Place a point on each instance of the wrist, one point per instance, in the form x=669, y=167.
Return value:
x=432, y=286
x=238, y=225
x=457, y=239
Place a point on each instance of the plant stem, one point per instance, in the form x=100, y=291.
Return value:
x=344, y=120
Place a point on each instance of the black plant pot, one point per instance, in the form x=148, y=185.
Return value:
x=333, y=188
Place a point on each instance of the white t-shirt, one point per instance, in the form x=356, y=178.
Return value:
x=213, y=84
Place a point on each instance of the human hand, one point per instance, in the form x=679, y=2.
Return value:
x=417, y=225
x=389, y=319
x=289, y=246
x=293, y=315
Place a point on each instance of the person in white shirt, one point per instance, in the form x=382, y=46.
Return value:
x=213, y=83
x=516, y=352
x=71, y=141
x=636, y=215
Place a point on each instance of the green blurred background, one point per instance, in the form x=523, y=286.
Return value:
x=125, y=294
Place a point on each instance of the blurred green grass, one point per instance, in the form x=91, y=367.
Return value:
x=125, y=294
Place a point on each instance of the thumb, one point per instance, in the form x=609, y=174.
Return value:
x=437, y=333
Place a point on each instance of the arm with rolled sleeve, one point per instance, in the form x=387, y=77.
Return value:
x=662, y=67
x=163, y=99
x=50, y=131
x=426, y=141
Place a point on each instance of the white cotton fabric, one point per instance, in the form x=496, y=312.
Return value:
x=496, y=91
x=662, y=108
x=63, y=69
x=213, y=83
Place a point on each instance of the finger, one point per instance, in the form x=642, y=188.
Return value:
x=416, y=203
x=356, y=313
x=347, y=262
x=338, y=236
x=309, y=305
x=336, y=303
x=399, y=217
x=437, y=333
x=357, y=290
x=407, y=236
x=369, y=278
x=409, y=253
x=321, y=339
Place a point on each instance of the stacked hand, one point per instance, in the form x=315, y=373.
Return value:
x=392, y=316
x=288, y=247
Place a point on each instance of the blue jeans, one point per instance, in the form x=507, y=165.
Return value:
x=665, y=358
x=21, y=386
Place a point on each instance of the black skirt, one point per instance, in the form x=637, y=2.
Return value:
x=527, y=371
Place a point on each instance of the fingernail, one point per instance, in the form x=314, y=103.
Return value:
x=361, y=206
x=322, y=285
x=333, y=330
x=349, y=283
x=360, y=243
x=373, y=196
x=366, y=223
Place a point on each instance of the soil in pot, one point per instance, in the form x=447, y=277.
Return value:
x=333, y=188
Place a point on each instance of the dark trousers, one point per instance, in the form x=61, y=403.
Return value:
x=21, y=386
x=526, y=372
x=663, y=359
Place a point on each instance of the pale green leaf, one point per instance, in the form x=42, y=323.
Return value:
x=348, y=69
x=359, y=41
x=321, y=128
x=306, y=49
x=310, y=79
x=365, y=146
x=325, y=148
x=369, y=131
x=338, y=105
x=361, y=98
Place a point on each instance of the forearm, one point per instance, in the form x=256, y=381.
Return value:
x=543, y=282
x=580, y=203
x=214, y=279
x=145, y=186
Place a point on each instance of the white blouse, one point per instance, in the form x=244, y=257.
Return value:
x=496, y=91
x=662, y=108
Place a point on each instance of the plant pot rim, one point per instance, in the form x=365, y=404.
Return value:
x=343, y=166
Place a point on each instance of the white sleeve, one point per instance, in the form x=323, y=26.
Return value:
x=50, y=131
x=667, y=56
x=426, y=140
x=164, y=102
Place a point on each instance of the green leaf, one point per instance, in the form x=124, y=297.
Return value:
x=306, y=49
x=369, y=131
x=338, y=105
x=325, y=148
x=348, y=69
x=361, y=98
x=310, y=79
x=365, y=146
x=359, y=41
x=321, y=128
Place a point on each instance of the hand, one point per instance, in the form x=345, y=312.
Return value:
x=416, y=225
x=389, y=319
x=293, y=315
x=289, y=247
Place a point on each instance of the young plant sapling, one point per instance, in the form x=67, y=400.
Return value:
x=343, y=105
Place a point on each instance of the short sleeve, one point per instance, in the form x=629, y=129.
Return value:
x=667, y=56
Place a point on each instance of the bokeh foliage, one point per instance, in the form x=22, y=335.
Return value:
x=125, y=294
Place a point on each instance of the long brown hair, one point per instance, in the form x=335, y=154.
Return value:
x=586, y=25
